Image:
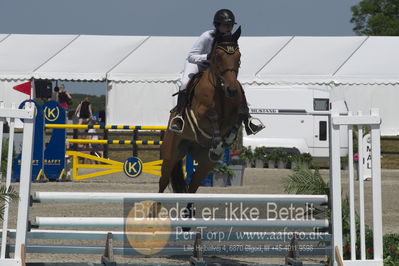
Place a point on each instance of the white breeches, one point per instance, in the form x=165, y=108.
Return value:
x=189, y=71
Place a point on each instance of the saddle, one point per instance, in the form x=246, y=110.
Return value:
x=191, y=86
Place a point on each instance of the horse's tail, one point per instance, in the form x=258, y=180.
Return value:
x=177, y=179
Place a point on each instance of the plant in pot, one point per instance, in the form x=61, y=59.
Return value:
x=221, y=174
x=237, y=165
x=272, y=158
x=282, y=158
x=247, y=155
x=306, y=159
x=344, y=163
x=237, y=177
x=260, y=156
x=296, y=160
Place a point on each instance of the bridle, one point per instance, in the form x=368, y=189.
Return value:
x=229, y=48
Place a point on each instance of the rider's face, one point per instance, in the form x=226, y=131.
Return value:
x=225, y=28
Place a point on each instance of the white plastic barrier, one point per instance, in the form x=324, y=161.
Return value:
x=12, y=114
x=337, y=123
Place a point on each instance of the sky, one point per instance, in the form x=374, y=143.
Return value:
x=173, y=18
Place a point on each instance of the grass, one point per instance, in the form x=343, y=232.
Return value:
x=390, y=160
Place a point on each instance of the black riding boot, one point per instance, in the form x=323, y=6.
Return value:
x=177, y=122
x=250, y=127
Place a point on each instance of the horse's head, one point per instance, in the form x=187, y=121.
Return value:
x=225, y=62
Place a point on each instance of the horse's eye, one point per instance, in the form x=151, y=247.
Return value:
x=218, y=57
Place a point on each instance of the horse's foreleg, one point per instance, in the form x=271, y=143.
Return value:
x=202, y=171
x=216, y=150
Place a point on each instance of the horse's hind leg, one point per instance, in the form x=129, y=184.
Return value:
x=172, y=171
x=203, y=169
x=168, y=156
x=172, y=154
x=166, y=174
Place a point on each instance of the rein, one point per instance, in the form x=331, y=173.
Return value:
x=229, y=49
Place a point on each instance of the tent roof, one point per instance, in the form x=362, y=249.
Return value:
x=376, y=61
x=21, y=55
x=158, y=59
x=265, y=60
x=89, y=57
x=310, y=59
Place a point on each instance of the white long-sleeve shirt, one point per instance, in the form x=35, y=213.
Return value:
x=201, y=48
x=197, y=57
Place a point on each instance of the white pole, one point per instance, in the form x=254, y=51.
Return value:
x=335, y=186
x=351, y=192
x=171, y=222
x=25, y=182
x=1, y=129
x=361, y=192
x=8, y=183
x=5, y=219
x=376, y=179
x=181, y=197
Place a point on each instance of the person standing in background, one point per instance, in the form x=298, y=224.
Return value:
x=84, y=111
x=6, y=127
x=96, y=149
x=54, y=95
x=64, y=98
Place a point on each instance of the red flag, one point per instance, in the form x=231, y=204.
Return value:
x=24, y=87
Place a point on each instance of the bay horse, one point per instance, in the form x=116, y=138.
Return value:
x=212, y=118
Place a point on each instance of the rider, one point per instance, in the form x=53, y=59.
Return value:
x=198, y=60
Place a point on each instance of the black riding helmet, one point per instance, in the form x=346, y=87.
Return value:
x=224, y=16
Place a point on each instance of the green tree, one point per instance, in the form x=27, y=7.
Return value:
x=376, y=17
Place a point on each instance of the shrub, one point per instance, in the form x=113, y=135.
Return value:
x=247, y=154
x=260, y=153
x=224, y=169
x=391, y=249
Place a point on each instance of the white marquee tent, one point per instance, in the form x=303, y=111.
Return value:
x=143, y=71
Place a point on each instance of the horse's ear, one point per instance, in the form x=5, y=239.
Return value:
x=237, y=34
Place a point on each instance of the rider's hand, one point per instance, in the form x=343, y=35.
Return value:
x=205, y=63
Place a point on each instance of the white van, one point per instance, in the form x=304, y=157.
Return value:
x=290, y=115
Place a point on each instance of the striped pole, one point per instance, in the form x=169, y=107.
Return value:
x=106, y=127
x=108, y=141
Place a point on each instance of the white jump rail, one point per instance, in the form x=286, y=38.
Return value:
x=196, y=223
x=26, y=165
x=176, y=235
x=181, y=197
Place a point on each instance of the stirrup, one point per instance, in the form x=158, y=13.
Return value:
x=259, y=123
x=172, y=122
